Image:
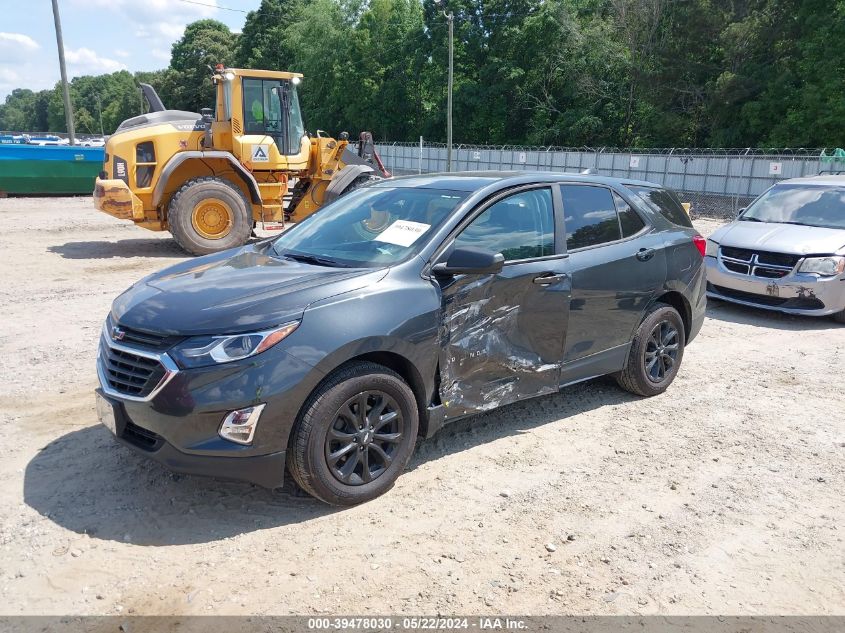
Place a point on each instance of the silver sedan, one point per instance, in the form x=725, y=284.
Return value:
x=786, y=251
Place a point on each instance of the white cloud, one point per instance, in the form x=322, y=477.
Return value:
x=160, y=31
x=84, y=61
x=16, y=47
x=170, y=30
x=119, y=52
x=160, y=54
x=8, y=76
x=18, y=40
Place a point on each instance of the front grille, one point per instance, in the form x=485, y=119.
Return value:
x=763, y=264
x=130, y=374
x=795, y=303
x=737, y=253
x=147, y=340
x=141, y=437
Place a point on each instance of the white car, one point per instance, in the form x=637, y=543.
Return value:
x=785, y=251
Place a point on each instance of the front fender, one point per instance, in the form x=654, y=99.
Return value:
x=181, y=157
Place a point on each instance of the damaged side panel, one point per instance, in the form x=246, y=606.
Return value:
x=501, y=337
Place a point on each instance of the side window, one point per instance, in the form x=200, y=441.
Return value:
x=629, y=220
x=253, y=106
x=520, y=226
x=665, y=202
x=590, y=216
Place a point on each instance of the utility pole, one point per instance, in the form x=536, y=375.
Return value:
x=100, y=113
x=65, y=89
x=450, y=17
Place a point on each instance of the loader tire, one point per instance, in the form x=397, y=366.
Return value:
x=207, y=215
x=361, y=181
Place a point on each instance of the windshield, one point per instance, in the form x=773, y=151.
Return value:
x=800, y=204
x=370, y=227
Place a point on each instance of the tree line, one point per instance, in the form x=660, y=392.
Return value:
x=626, y=73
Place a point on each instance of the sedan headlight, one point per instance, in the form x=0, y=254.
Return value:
x=712, y=248
x=200, y=351
x=826, y=266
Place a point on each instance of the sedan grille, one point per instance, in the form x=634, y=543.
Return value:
x=130, y=374
x=757, y=263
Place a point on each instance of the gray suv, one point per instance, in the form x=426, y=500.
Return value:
x=786, y=251
x=392, y=311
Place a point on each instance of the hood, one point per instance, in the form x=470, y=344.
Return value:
x=781, y=238
x=233, y=291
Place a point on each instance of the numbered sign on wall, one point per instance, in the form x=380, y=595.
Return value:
x=523, y=158
x=635, y=162
x=775, y=169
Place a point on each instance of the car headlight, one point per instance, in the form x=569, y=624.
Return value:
x=200, y=351
x=712, y=248
x=833, y=265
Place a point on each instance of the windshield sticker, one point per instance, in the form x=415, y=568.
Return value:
x=402, y=233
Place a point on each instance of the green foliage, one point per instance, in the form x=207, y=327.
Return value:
x=545, y=72
x=205, y=43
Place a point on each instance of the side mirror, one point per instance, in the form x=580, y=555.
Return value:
x=468, y=260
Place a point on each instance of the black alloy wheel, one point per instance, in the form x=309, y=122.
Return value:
x=661, y=351
x=355, y=434
x=656, y=352
x=363, y=439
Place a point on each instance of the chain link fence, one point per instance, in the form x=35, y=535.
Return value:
x=717, y=182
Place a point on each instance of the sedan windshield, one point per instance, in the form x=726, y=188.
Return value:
x=370, y=227
x=809, y=205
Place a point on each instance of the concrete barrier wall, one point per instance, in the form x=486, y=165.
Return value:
x=718, y=181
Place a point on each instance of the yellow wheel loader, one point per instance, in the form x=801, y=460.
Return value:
x=213, y=179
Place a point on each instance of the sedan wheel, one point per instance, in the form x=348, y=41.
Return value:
x=354, y=435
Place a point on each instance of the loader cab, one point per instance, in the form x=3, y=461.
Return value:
x=261, y=109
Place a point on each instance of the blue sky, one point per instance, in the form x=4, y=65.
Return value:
x=100, y=35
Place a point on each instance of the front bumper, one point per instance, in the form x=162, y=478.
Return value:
x=115, y=198
x=795, y=293
x=177, y=417
x=263, y=470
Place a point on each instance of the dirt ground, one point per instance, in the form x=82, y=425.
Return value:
x=722, y=496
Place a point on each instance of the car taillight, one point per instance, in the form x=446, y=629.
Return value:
x=700, y=244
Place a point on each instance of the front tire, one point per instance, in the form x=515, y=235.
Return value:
x=657, y=350
x=839, y=317
x=355, y=435
x=207, y=215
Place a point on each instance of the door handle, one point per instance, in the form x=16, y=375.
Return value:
x=550, y=278
x=645, y=254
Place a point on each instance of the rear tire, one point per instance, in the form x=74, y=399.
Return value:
x=363, y=416
x=839, y=317
x=207, y=215
x=657, y=350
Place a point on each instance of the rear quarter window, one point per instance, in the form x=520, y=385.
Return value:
x=665, y=202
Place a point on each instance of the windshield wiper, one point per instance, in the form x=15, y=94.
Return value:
x=750, y=219
x=314, y=259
